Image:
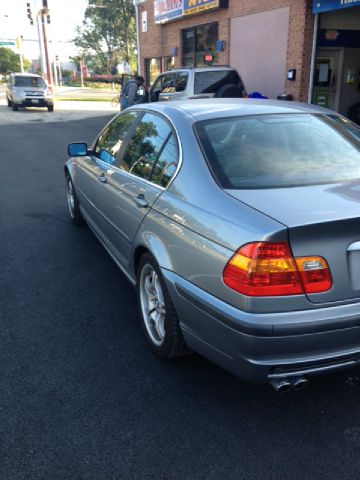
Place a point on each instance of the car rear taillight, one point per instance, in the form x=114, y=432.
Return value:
x=314, y=273
x=268, y=269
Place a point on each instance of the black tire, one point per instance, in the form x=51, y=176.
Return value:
x=9, y=102
x=229, y=90
x=50, y=108
x=354, y=113
x=172, y=344
x=73, y=205
x=15, y=107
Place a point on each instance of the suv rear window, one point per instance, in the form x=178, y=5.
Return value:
x=211, y=81
x=280, y=150
x=29, y=82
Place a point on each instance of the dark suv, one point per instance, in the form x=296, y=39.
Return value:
x=205, y=82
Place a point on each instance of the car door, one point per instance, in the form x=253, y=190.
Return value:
x=130, y=190
x=179, y=90
x=168, y=87
x=156, y=89
x=91, y=171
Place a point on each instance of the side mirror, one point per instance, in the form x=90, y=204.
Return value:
x=77, y=149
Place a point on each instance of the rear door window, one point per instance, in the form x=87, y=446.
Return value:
x=211, y=81
x=112, y=137
x=167, y=163
x=145, y=146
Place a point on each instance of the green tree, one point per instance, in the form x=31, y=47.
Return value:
x=10, y=61
x=108, y=31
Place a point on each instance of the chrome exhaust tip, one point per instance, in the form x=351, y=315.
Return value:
x=282, y=385
x=299, y=383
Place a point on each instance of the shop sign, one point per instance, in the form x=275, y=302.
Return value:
x=199, y=6
x=322, y=99
x=329, y=5
x=166, y=10
x=331, y=35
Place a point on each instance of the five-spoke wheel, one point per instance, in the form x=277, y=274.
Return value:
x=158, y=316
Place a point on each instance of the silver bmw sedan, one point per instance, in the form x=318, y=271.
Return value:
x=238, y=222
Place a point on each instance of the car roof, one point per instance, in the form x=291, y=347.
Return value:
x=211, y=108
x=199, y=69
x=25, y=75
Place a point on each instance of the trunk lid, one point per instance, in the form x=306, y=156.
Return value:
x=322, y=220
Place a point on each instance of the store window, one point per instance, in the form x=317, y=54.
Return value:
x=152, y=69
x=169, y=63
x=198, y=42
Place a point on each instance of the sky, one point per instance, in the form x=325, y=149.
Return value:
x=65, y=16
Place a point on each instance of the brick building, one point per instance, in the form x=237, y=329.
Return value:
x=309, y=48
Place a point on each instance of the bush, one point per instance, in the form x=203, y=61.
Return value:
x=101, y=79
x=97, y=84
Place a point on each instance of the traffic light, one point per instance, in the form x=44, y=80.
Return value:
x=29, y=14
x=48, y=18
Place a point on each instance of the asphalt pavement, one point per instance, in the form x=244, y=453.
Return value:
x=81, y=396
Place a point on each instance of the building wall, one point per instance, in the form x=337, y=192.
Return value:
x=160, y=39
x=258, y=49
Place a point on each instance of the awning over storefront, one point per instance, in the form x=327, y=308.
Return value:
x=329, y=5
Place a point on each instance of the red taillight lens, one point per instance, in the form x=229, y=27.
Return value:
x=269, y=269
x=315, y=274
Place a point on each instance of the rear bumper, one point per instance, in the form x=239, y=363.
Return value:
x=261, y=347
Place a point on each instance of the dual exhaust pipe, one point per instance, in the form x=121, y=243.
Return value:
x=284, y=385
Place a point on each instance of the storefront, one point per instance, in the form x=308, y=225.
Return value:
x=177, y=35
x=307, y=48
x=336, y=59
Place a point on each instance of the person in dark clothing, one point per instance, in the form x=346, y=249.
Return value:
x=129, y=95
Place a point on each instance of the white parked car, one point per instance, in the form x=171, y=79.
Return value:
x=28, y=90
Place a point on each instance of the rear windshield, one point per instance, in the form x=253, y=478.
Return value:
x=272, y=151
x=29, y=82
x=211, y=81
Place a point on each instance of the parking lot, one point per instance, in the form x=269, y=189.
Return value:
x=81, y=396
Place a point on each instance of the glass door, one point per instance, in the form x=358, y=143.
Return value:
x=327, y=78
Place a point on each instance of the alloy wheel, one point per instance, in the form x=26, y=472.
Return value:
x=152, y=304
x=71, y=198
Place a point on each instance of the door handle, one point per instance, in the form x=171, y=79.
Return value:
x=141, y=201
x=102, y=178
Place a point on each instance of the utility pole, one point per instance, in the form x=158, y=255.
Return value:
x=41, y=46
x=137, y=3
x=18, y=43
x=81, y=72
x=45, y=18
